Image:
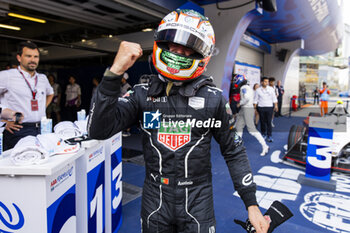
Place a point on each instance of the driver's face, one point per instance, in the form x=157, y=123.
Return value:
x=179, y=49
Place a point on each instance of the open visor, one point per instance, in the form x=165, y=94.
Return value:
x=186, y=39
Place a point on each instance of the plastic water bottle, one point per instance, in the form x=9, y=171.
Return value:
x=81, y=115
x=45, y=125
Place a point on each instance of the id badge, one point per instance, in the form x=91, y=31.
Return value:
x=34, y=105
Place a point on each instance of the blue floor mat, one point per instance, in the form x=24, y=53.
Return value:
x=314, y=210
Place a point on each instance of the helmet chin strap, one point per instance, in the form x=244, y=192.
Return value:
x=169, y=84
x=168, y=87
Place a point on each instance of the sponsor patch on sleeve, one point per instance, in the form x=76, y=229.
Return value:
x=228, y=109
x=127, y=94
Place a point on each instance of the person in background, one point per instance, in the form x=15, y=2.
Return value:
x=234, y=96
x=73, y=99
x=144, y=79
x=280, y=91
x=272, y=84
x=325, y=92
x=246, y=114
x=8, y=66
x=265, y=102
x=54, y=106
x=125, y=87
x=302, y=95
x=95, y=82
x=26, y=91
x=256, y=114
x=316, y=96
x=177, y=172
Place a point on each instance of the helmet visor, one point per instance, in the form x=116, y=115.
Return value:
x=186, y=39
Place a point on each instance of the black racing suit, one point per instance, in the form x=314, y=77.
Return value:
x=177, y=192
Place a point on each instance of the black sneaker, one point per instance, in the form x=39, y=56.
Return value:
x=269, y=139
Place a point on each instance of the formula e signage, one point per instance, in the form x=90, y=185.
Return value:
x=250, y=39
x=11, y=218
x=61, y=214
x=116, y=189
x=318, y=155
x=96, y=196
x=327, y=210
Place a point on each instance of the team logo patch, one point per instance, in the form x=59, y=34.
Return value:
x=173, y=70
x=151, y=120
x=174, y=137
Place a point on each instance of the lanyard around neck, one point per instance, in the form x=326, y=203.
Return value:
x=28, y=84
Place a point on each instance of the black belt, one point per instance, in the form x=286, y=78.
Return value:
x=31, y=124
x=178, y=182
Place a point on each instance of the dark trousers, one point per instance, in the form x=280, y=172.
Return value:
x=10, y=140
x=72, y=113
x=265, y=114
x=279, y=113
x=316, y=100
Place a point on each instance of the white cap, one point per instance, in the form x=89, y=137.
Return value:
x=126, y=76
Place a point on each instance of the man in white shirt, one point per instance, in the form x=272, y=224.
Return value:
x=272, y=84
x=265, y=102
x=73, y=99
x=26, y=91
x=8, y=114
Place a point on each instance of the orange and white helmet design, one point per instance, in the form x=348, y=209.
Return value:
x=187, y=28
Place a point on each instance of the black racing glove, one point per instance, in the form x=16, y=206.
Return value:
x=278, y=214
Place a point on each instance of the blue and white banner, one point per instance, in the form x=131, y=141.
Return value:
x=96, y=199
x=318, y=154
x=251, y=72
x=60, y=197
x=61, y=215
x=250, y=39
x=116, y=189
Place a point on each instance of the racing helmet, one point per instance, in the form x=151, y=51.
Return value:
x=187, y=28
x=339, y=108
x=239, y=80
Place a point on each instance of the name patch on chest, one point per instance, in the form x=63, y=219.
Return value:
x=196, y=102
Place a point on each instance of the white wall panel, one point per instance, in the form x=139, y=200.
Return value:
x=250, y=56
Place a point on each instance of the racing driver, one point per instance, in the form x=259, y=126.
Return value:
x=246, y=114
x=178, y=111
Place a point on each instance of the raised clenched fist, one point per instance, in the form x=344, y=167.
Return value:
x=127, y=55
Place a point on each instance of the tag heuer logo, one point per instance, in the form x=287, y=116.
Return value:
x=173, y=70
x=151, y=120
x=174, y=137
